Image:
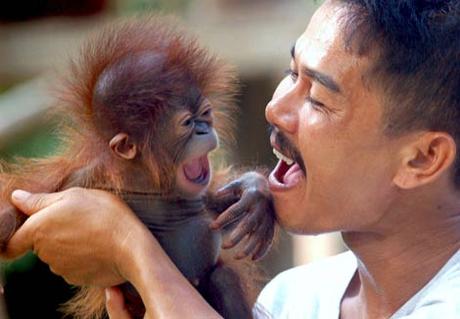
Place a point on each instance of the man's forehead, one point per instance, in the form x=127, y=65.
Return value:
x=323, y=32
x=322, y=46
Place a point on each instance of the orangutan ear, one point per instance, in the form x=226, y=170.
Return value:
x=122, y=147
x=425, y=159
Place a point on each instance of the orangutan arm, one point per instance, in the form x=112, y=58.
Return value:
x=245, y=206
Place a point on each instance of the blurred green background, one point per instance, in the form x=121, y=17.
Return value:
x=38, y=36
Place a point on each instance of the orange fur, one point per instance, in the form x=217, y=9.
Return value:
x=83, y=144
x=85, y=159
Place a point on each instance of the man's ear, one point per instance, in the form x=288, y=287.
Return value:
x=121, y=145
x=425, y=159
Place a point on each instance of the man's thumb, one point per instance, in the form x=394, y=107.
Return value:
x=115, y=304
x=30, y=203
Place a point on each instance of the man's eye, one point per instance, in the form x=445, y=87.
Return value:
x=294, y=75
x=316, y=104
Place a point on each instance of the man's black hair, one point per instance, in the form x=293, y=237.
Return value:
x=418, y=61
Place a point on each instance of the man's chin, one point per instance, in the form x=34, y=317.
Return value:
x=296, y=217
x=290, y=216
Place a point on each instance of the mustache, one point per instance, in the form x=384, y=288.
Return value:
x=286, y=146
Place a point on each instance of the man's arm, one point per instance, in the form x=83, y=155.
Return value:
x=90, y=237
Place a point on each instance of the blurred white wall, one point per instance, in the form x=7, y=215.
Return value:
x=311, y=248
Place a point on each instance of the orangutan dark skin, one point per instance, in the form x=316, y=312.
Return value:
x=142, y=109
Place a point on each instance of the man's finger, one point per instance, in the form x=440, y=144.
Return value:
x=22, y=241
x=115, y=304
x=30, y=203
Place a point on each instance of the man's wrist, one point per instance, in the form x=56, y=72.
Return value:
x=159, y=282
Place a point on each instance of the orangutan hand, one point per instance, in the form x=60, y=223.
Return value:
x=85, y=236
x=252, y=211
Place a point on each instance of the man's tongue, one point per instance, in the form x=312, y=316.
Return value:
x=195, y=168
x=292, y=174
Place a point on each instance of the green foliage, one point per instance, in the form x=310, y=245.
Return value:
x=21, y=274
x=35, y=143
x=21, y=265
x=133, y=6
x=38, y=142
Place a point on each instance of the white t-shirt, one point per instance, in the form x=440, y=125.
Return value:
x=314, y=291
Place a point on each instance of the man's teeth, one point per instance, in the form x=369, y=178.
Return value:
x=283, y=157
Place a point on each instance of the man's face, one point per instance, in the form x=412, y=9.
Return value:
x=329, y=121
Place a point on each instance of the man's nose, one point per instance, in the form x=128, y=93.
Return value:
x=282, y=111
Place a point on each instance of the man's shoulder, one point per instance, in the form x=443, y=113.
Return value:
x=306, y=286
x=439, y=297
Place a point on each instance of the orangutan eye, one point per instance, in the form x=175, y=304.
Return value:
x=207, y=112
x=187, y=122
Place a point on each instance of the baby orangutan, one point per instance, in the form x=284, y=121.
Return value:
x=142, y=108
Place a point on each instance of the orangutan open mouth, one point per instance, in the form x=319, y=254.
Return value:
x=197, y=170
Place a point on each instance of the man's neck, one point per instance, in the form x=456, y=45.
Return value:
x=395, y=264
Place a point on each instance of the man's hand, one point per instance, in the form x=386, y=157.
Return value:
x=253, y=213
x=83, y=235
x=91, y=237
x=115, y=304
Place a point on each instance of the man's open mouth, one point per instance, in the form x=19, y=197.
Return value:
x=290, y=168
x=287, y=171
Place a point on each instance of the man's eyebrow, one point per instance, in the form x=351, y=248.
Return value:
x=319, y=77
x=322, y=78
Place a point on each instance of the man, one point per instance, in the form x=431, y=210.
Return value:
x=369, y=116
